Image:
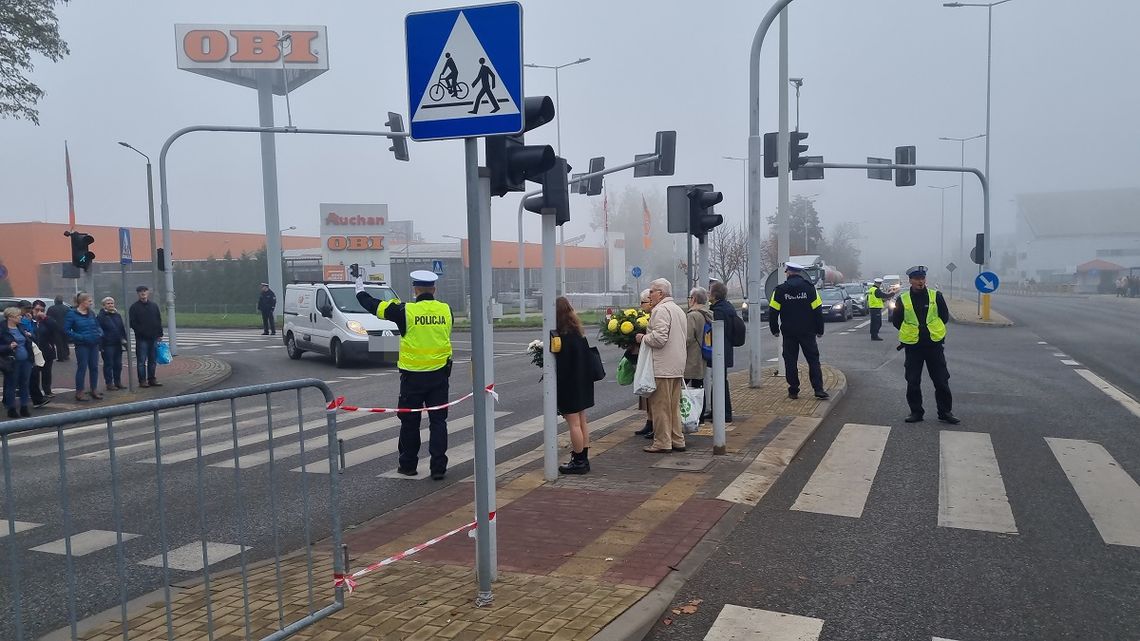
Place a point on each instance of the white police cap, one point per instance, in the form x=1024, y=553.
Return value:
x=796, y=267
x=424, y=278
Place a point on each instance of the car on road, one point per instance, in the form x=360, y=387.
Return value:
x=326, y=318
x=858, y=292
x=837, y=304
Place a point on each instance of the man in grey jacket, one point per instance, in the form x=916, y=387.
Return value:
x=666, y=336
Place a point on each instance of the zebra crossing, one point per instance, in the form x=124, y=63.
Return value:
x=971, y=491
x=233, y=341
x=736, y=623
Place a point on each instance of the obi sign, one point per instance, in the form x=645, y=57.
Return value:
x=245, y=55
x=355, y=233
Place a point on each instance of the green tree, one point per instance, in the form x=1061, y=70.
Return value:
x=803, y=215
x=27, y=28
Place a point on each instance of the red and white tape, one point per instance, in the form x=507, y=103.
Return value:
x=338, y=404
x=349, y=581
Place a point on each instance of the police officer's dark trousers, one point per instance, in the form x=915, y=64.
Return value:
x=792, y=346
x=876, y=321
x=268, y=322
x=934, y=356
x=424, y=389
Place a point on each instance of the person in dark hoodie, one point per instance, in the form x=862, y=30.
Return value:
x=146, y=322
x=82, y=328
x=48, y=336
x=724, y=311
x=112, y=344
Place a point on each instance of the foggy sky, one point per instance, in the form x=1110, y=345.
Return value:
x=877, y=74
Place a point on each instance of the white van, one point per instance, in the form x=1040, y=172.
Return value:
x=326, y=318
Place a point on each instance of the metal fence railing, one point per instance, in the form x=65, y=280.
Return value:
x=154, y=496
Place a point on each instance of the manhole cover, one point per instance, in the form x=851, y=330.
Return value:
x=684, y=462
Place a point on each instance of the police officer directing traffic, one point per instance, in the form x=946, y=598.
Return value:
x=921, y=316
x=425, y=367
x=798, y=303
x=875, y=298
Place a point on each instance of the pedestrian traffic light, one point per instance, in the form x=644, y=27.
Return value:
x=701, y=218
x=395, y=124
x=796, y=149
x=555, y=196
x=512, y=162
x=81, y=254
x=771, y=155
x=905, y=156
x=978, y=255
x=161, y=259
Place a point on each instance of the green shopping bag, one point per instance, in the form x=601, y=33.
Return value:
x=625, y=371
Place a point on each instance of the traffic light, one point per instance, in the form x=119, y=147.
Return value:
x=395, y=124
x=512, y=162
x=796, y=149
x=771, y=155
x=81, y=254
x=905, y=156
x=161, y=259
x=593, y=186
x=701, y=218
x=978, y=253
x=555, y=193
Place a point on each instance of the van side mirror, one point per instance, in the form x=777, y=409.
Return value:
x=326, y=311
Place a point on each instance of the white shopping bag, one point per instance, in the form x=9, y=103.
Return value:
x=692, y=404
x=644, y=383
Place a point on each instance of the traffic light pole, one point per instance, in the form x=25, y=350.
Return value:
x=167, y=234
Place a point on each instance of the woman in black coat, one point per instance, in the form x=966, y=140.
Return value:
x=574, y=367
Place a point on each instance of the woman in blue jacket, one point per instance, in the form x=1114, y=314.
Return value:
x=16, y=348
x=82, y=328
x=113, y=343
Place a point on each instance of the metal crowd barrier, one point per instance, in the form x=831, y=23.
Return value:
x=17, y=627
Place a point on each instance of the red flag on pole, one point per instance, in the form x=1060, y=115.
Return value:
x=70, y=189
x=605, y=211
x=646, y=241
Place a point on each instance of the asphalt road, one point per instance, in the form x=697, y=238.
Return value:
x=981, y=531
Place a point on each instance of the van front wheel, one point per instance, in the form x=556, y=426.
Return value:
x=337, y=353
x=291, y=348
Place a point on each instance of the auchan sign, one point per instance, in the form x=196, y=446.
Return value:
x=242, y=53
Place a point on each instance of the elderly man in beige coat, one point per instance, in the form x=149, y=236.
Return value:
x=666, y=335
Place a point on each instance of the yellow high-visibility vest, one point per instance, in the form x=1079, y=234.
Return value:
x=908, y=333
x=873, y=301
x=426, y=343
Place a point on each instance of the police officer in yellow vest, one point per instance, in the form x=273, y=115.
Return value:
x=921, y=316
x=425, y=366
x=875, y=297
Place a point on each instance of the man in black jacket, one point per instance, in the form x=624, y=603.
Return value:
x=146, y=320
x=58, y=313
x=48, y=337
x=723, y=310
x=922, y=333
x=266, y=303
x=798, y=304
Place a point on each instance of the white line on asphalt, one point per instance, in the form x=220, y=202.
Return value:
x=189, y=557
x=105, y=454
x=81, y=429
x=333, y=381
x=354, y=378
x=754, y=482
x=84, y=543
x=971, y=494
x=360, y=455
x=228, y=444
x=254, y=459
x=223, y=353
x=1112, y=391
x=842, y=482
x=1042, y=343
x=466, y=451
x=1109, y=494
x=1060, y=355
x=736, y=623
x=863, y=324
x=1065, y=361
x=773, y=360
x=21, y=526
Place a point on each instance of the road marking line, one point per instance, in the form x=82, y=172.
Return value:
x=222, y=353
x=773, y=360
x=189, y=557
x=1069, y=362
x=105, y=454
x=84, y=543
x=753, y=483
x=354, y=378
x=863, y=324
x=842, y=482
x=1109, y=494
x=1042, y=343
x=1060, y=355
x=971, y=494
x=466, y=452
x=21, y=526
x=736, y=623
x=253, y=459
x=1111, y=390
x=222, y=446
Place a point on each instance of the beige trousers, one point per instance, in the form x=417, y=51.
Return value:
x=665, y=407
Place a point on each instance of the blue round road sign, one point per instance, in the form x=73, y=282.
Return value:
x=636, y=271
x=986, y=282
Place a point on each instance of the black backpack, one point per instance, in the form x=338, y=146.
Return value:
x=739, y=331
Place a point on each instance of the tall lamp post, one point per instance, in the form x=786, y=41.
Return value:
x=962, y=195
x=942, y=229
x=558, y=146
x=989, y=6
x=150, y=207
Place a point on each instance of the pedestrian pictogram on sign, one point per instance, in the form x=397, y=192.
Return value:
x=125, y=246
x=465, y=71
x=437, y=267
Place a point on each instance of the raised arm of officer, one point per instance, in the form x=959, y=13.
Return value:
x=390, y=310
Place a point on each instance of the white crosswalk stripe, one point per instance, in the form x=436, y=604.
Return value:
x=971, y=494
x=842, y=481
x=227, y=444
x=120, y=448
x=255, y=459
x=466, y=451
x=737, y=623
x=84, y=543
x=21, y=526
x=188, y=558
x=1108, y=493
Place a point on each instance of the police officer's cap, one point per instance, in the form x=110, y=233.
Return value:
x=918, y=271
x=424, y=278
x=878, y=280
x=793, y=267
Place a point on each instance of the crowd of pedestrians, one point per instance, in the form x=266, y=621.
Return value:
x=34, y=336
x=1128, y=287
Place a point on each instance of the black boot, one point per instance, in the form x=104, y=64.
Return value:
x=585, y=458
x=648, y=429
x=577, y=465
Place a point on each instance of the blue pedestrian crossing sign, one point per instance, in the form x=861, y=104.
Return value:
x=636, y=271
x=437, y=267
x=125, y=246
x=986, y=282
x=465, y=71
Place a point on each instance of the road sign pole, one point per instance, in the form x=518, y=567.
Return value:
x=549, y=390
x=482, y=374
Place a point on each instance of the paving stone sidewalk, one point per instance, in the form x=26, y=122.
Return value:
x=574, y=555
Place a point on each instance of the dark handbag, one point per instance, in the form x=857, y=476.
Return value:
x=598, y=368
x=7, y=364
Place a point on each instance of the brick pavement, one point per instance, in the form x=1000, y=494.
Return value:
x=573, y=554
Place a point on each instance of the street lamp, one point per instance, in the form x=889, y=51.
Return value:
x=942, y=229
x=558, y=133
x=289, y=228
x=797, y=83
x=989, y=59
x=150, y=206
x=962, y=194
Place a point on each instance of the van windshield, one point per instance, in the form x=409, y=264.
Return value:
x=345, y=297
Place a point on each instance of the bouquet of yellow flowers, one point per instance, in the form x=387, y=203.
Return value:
x=621, y=328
